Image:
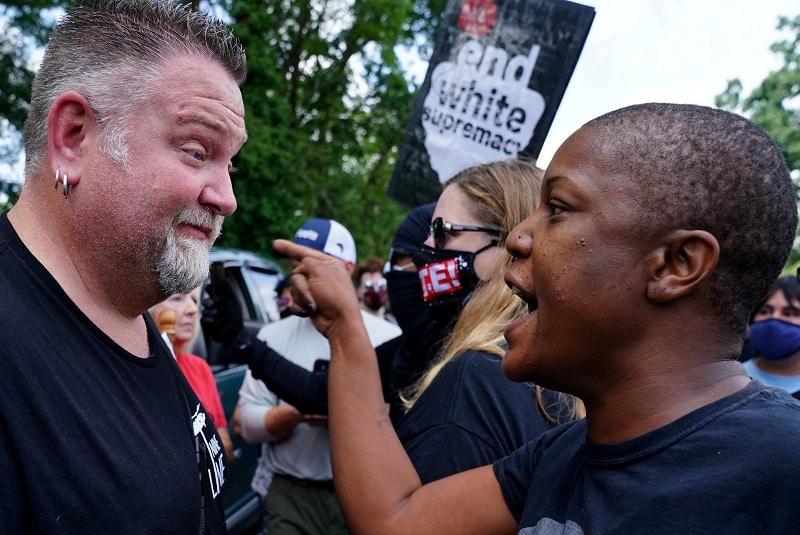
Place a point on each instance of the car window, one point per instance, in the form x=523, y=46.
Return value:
x=266, y=282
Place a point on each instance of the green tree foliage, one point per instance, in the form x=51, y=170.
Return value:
x=775, y=106
x=775, y=103
x=24, y=26
x=327, y=102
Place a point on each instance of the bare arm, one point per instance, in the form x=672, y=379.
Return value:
x=377, y=485
x=227, y=444
x=237, y=422
x=281, y=420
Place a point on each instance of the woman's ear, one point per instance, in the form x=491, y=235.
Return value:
x=685, y=258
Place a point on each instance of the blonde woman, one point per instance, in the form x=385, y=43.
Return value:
x=463, y=412
x=177, y=317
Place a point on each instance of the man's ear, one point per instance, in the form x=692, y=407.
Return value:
x=685, y=258
x=69, y=122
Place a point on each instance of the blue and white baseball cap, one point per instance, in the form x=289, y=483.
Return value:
x=328, y=236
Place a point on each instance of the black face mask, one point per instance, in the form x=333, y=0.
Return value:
x=447, y=276
x=405, y=300
x=375, y=298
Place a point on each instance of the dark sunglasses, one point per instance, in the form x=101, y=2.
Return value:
x=440, y=228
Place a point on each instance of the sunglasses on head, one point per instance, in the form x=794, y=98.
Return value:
x=440, y=228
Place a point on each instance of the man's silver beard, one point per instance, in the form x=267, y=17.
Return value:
x=184, y=263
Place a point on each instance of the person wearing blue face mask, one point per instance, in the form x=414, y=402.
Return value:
x=636, y=300
x=775, y=337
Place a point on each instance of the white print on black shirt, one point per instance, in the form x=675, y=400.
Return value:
x=548, y=526
x=216, y=464
x=480, y=108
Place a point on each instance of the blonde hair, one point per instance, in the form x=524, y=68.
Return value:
x=182, y=346
x=503, y=194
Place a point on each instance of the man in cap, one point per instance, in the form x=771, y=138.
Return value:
x=300, y=497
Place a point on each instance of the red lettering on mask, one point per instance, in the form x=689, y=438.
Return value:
x=439, y=279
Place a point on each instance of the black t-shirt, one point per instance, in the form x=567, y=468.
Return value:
x=470, y=416
x=729, y=467
x=92, y=438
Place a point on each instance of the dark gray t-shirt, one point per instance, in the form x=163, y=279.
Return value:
x=470, y=416
x=729, y=467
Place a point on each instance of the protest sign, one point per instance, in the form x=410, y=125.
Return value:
x=497, y=76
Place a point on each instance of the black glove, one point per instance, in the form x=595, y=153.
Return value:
x=222, y=314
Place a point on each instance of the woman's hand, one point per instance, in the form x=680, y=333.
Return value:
x=321, y=287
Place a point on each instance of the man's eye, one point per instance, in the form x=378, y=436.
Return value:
x=199, y=155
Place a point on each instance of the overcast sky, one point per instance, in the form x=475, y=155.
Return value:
x=667, y=51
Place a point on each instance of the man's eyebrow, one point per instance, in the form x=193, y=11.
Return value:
x=203, y=120
x=207, y=121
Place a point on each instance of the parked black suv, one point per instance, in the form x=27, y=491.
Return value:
x=253, y=278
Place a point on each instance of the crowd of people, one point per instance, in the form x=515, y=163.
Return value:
x=638, y=278
x=595, y=347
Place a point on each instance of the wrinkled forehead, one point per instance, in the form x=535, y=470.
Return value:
x=194, y=86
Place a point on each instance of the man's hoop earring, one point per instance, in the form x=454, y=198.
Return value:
x=58, y=176
x=66, y=186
